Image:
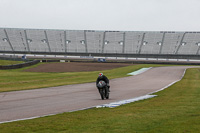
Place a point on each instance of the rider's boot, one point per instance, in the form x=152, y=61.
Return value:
x=108, y=88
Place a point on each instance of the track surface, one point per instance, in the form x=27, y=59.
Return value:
x=39, y=102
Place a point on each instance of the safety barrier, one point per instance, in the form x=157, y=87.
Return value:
x=16, y=66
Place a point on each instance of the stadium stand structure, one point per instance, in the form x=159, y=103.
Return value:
x=139, y=44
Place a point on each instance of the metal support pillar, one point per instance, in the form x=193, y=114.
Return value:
x=162, y=42
x=123, y=49
x=85, y=38
x=142, y=41
x=197, y=53
x=104, y=36
x=180, y=43
x=47, y=41
x=8, y=40
x=65, y=41
x=27, y=43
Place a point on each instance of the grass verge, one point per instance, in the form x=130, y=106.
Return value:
x=9, y=62
x=175, y=109
x=13, y=80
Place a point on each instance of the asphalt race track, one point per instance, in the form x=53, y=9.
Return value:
x=39, y=102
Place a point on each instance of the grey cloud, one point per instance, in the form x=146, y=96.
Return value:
x=128, y=15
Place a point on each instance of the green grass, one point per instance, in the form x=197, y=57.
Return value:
x=12, y=80
x=9, y=62
x=175, y=109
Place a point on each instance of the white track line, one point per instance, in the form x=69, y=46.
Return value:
x=116, y=104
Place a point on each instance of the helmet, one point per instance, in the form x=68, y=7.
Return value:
x=100, y=74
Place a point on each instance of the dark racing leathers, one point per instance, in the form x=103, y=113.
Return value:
x=105, y=79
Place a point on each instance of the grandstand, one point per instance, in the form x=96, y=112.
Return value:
x=155, y=44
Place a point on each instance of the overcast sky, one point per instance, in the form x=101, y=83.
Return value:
x=125, y=15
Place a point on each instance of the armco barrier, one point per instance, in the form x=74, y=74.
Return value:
x=26, y=64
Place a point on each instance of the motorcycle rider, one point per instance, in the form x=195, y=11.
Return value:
x=104, y=78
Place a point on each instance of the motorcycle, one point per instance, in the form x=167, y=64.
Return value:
x=103, y=89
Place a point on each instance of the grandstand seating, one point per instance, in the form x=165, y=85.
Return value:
x=4, y=42
x=132, y=42
x=190, y=41
x=113, y=42
x=171, y=42
x=56, y=40
x=94, y=41
x=83, y=41
x=38, y=41
x=76, y=41
x=151, y=43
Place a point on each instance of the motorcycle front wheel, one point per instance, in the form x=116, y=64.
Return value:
x=102, y=93
x=107, y=93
